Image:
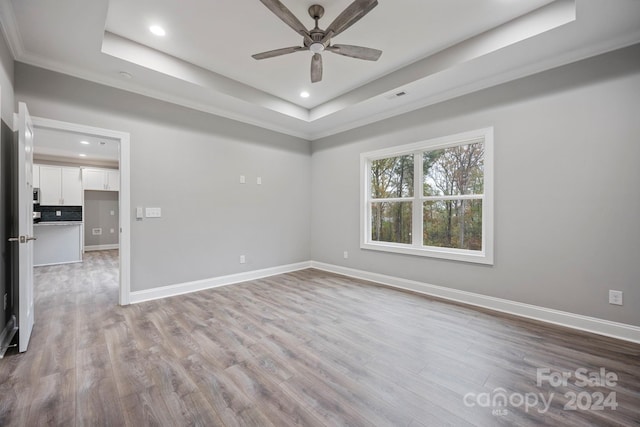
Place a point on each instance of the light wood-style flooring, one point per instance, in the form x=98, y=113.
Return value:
x=307, y=348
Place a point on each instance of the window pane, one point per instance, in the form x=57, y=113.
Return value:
x=453, y=224
x=391, y=222
x=392, y=177
x=454, y=171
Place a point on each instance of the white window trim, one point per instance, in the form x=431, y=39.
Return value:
x=484, y=256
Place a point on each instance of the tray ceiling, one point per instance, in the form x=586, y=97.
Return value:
x=432, y=50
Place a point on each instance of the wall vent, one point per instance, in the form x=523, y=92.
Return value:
x=396, y=95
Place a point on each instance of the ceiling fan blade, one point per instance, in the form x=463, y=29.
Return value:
x=316, y=68
x=350, y=16
x=289, y=18
x=278, y=52
x=359, y=52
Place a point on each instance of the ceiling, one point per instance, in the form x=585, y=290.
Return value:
x=71, y=147
x=433, y=50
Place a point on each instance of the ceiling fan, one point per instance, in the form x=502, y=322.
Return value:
x=317, y=40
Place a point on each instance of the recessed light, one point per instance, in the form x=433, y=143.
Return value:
x=82, y=155
x=84, y=142
x=304, y=94
x=157, y=30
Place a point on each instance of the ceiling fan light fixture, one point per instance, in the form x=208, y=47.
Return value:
x=316, y=47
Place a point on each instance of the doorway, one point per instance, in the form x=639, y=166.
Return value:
x=93, y=135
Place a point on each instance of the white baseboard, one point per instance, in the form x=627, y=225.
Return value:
x=576, y=321
x=57, y=263
x=214, y=282
x=101, y=247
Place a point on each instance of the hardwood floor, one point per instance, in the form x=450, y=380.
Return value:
x=306, y=348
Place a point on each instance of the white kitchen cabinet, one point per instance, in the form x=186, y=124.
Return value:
x=60, y=186
x=50, y=185
x=57, y=243
x=71, y=187
x=93, y=179
x=113, y=180
x=101, y=179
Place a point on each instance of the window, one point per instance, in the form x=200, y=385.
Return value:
x=433, y=198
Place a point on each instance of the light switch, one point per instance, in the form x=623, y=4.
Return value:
x=242, y=179
x=153, y=212
x=139, y=213
x=112, y=213
x=259, y=180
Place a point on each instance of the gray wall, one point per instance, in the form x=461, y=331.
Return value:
x=567, y=204
x=98, y=206
x=567, y=221
x=188, y=163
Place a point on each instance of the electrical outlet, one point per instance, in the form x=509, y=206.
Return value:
x=58, y=213
x=615, y=297
x=346, y=254
x=96, y=231
x=242, y=259
x=112, y=213
x=111, y=230
x=243, y=180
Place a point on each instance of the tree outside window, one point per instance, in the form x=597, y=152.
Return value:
x=432, y=198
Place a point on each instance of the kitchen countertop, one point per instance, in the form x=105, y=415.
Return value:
x=58, y=223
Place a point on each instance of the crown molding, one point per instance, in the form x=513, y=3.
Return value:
x=9, y=26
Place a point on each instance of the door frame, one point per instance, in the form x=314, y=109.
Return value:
x=124, y=195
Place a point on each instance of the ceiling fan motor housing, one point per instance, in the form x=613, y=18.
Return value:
x=317, y=35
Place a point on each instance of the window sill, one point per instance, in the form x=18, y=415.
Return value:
x=476, y=257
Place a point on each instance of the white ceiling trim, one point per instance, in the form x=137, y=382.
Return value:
x=530, y=25
x=9, y=26
x=10, y=30
x=542, y=39
x=239, y=115
x=477, y=85
x=152, y=59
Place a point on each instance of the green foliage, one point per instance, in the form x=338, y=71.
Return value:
x=391, y=222
x=454, y=171
x=392, y=177
x=453, y=222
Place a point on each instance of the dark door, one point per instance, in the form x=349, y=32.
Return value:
x=8, y=227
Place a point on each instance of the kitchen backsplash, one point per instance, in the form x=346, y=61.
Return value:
x=67, y=213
